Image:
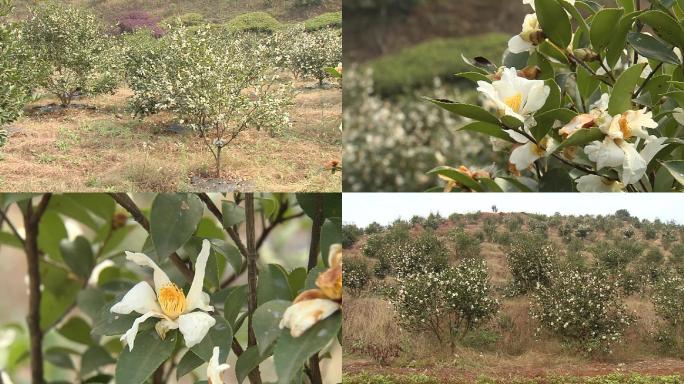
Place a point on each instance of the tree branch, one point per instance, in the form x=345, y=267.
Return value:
x=129, y=205
x=31, y=224
x=14, y=230
x=255, y=376
x=231, y=231
x=314, y=250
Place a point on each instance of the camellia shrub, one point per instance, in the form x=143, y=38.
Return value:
x=260, y=22
x=584, y=99
x=531, y=260
x=71, y=45
x=16, y=70
x=466, y=246
x=449, y=303
x=220, y=86
x=310, y=53
x=355, y=274
x=583, y=308
x=170, y=285
x=668, y=299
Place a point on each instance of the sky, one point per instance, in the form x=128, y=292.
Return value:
x=364, y=208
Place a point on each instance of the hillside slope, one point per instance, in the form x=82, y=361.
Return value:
x=212, y=10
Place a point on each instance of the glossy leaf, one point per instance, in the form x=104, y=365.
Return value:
x=136, y=366
x=78, y=255
x=453, y=174
x=266, y=321
x=652, y=48
x=554, y=21
x=466, y=110
x=581, y=137
x=621, y=97
x=664, y=26
x=173, y=220
x=602, y=26
x=233, y=214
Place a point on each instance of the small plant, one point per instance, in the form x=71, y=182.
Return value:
x=466, y=246
x=355, y=274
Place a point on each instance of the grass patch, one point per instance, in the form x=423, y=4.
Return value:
x=418, y=66
x=325, y=20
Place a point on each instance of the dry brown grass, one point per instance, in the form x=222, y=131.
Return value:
x=373, y=329
x=107, y=150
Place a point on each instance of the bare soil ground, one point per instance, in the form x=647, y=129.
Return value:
x=98, y=146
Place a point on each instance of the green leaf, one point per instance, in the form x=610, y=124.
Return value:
x=173, y=220
x=291, y=353
x=90, y=301
x=331, y=233
x=602, y=26
x=94, y=358
x=621, y=97
x=618, y=36
x=110, y=324
x=297, y=280
x=78, y=255
x=453, y=174
x=246, y=363
x=554, y=100
x=581, y=137
x=576, y=16
x=554, y=22
x=466, y=110
x=546, y=120
x=332, y=204
x=312, y=276
x=188, y=363
x=230, y=252
x=266, y=322
x=59, y=358
x=51, y=231
x=77, y=330
x=234, y=303
x=233, y=214
x=220, y=335
x=628, y=5
x=664, y=26
x=586, y=82
x=556, y=180
x=273, y=284
x=136, y=366
x=676, y=169
x=474, y=76
x=489, y=129
x=652, y=48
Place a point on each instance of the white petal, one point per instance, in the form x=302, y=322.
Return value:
x=518, y=45
x=519, y=137
x=594, y=183
x=160, y=277
x=141, y=298
x=194, y=326
x=214, y=369
x=536, y=97
x=633, y=166
x=605, y=154
x=652, y=148
x=195, y=297
x=523, y=156
x=129, y=336
x=303, y=315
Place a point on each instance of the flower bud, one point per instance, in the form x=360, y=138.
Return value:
x=585, y=54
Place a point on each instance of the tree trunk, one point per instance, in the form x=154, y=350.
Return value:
x=218, y=162
x=33, y=318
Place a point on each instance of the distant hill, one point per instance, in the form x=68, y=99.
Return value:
x=212, y=10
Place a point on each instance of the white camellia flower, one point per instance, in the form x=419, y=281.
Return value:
x=168, y=303
x=514, y=95
x=520, y=98
x=616, y=152
x=314, y=305
x=528, y=38
x=594, y=183
x=214, y=369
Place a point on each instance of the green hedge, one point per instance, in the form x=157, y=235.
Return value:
x=254, y=22
x=417, y=66
x=325, y=20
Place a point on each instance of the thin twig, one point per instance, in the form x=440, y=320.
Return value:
x=231, y=231
x=255, y=375
x=12, y=227
x=648, y=78
x=605, y=68
x=129, y=205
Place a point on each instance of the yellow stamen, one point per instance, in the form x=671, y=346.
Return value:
x=514, y=101
x=171, y=300
x=624, y=128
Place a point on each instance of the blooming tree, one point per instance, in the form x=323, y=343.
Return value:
x=220, y=86
x=184, y=267
x=581, y=103
x=72, y=45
